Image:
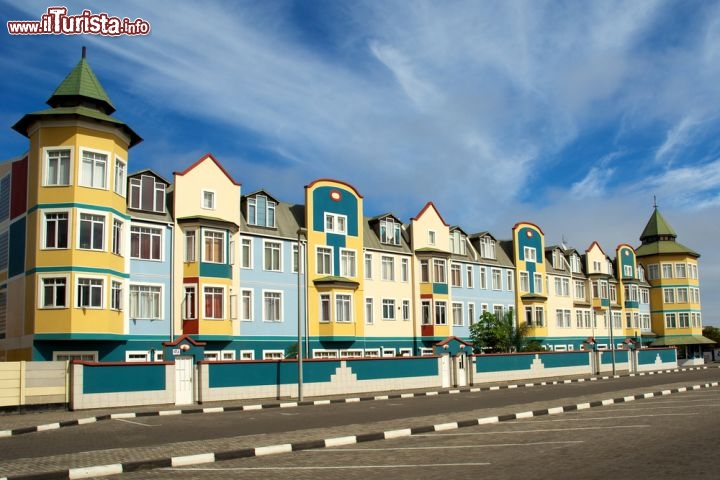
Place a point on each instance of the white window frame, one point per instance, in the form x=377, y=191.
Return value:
x=348, y=259
x=368, y=266
x=246, y=243
x=327, y=250
x=324, y=353
x=94, y=213
x=369, y=311
x=247, y=296
x=224, y=302
x=46, y=167
x=190, y=246
x=247, y=354
x=455, y=274
x=120, y=294
x=75, y=353
x=432, y=237
x=281, y=310
x=426, y=352
x=273, y=354
x=157, y=290
x=371, y=353
x=345, y=296
x=404, y=270
x=469, y=277
x=211, y=199
x=223, y=233
x=117, y=236
x=76, y=289
x=45, y=229
x=274, y=246
x=325, y=298
x=351, y=353
x=388, y=352
x=337, y=225
x=185, y=314
x=510, y=279
x=457, y=307
x=120, y=181
x=388, y=305
x=387, y=261
x=496, y=274
x=93, y=151
x=406, y=309
x=405, y=352
x=41, y=291
x=147, y=229
x=530, y=254
x=137, y=356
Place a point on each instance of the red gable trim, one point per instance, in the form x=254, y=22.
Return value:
x=183, y=338
x=355, y=190
x=598, y=245
x=202, y=159
x=450, y=339
x=428, y=205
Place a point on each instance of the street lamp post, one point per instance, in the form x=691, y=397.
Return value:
x=612, y=340
x=300, y=233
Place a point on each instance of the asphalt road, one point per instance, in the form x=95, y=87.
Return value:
x=660, y=438
x=150, y=431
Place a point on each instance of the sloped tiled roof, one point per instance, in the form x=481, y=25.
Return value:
x=81, y=85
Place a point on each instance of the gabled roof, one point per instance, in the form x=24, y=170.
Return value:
x=428, y=206
x=456, y=227
x=372, y=241
x=377, y=218
x=264, y=192
x=202, y=159
x=149, y=171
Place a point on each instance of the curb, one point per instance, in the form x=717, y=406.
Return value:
x=210, y=457
x=238, y=408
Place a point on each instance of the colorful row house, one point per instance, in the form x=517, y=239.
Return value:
x=100, y=264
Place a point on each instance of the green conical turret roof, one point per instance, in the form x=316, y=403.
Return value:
x=79, y=96
x=81, y=86
x=657, y=226
x=658, y=237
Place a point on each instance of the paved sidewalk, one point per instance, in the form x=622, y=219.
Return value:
x=106, y=462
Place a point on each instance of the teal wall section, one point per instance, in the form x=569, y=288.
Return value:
x=123, y=378
x=376, y=369
x=250, y=374
x=567, y=359
x=347, y=205
x=17, y=245
x=440, y=288
x=621, y=356
x=500, y=363
x=648, y=356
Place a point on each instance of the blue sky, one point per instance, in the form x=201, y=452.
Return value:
x=572, y=115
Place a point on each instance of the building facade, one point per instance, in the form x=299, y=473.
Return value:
x=97, y=263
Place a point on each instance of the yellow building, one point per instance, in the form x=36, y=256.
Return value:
x=335, y=296
x=73, y=282
x=672, y=271
x=531, y=275
x=207, y=214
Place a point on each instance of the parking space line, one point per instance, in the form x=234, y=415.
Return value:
x=134, y=423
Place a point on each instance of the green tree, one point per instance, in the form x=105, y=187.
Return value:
x=492, y=334
x=713, y=333
x=292, y=351
x=482, y=333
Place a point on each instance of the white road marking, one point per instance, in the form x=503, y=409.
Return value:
x=446, y=447
x=339, y=467
x=613, y=427
x=583, y=419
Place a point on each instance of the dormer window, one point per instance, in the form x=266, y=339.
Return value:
x=575, y=264
x=487, y=247
x=457, y=243
x=146, y=193
x=261, y=211
x=558, y=260
x=389, y=231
